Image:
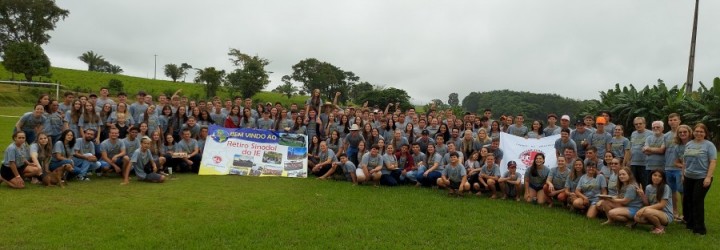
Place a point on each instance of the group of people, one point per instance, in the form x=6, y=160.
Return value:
x=599, y=171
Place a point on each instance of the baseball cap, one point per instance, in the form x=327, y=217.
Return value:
x=425, y=132
x=579, y=122
x=600, y=120
x=565, y=117
x=512, y=164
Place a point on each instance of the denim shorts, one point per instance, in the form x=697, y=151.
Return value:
x=674, y=180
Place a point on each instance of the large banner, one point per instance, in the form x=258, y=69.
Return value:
x=523, y=151
x=254, y=152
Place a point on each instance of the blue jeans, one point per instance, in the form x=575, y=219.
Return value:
x=674, y=180
x=391, y=179
x=431, y=178
x=57, y=164
x=81, y=166
x=412, y=175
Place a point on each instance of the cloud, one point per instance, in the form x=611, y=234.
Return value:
x=429, y=48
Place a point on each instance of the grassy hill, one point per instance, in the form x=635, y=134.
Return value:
x=89, y=82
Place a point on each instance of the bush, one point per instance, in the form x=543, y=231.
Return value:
x=115, y=85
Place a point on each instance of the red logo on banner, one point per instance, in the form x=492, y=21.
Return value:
x=217, y=159
x=528, y=156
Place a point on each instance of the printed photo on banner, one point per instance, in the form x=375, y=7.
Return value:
x=254, y=152
x=523, y=150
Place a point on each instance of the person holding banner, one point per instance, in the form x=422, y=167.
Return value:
x=588, y=188
x=371, y=164
x=535, y=177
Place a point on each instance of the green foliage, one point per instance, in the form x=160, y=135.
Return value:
x=357, y=90
x=533, y=106
x=115, y=85
x=453, y=99
x=26, y=58
x=28, y=20
x=173, y=71
x=250, y=77
x=212, y=78
x=314, y=74
x=287, y=88
x=92, y=59
x=380, y=98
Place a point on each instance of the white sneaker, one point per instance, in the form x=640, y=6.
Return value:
x=86, y=178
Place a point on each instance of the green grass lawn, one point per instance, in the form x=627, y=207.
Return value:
x=250, y=212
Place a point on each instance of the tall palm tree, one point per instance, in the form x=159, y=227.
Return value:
x=93, y=60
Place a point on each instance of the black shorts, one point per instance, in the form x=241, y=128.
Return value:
x=454, y=185
x=323, y=170
x=8, y=175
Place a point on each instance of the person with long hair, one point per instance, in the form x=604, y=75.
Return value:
x=444, y=132
x=619, y=145
x=554, y=187
x=41, y=152
x=334, y=142
x=627, y=202
x=494, y=130
x=104, y=114
x=536, y=130
x=482, y=138
x=233, y=118
x=682, y=137
x=699, y=157
x=167, y=150
x=16, y=165
x=248, y=121
x=434, y=168
x=361, y=149
x=205, y=119
x=535, y=177
x=313, y=151
x=588, y=189
x=578, y=170
x=344, y=126
x=178, y=120
x=91, y=120
x=122, y=108
x=314, y=102
x=62, y=152
x=150, y=118
x=657, y=201
x=298, y=127
x=473, y=167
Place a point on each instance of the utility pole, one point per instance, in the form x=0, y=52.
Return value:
x=691, y=64
x=155, y=72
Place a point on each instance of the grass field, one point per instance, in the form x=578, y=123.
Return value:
x=250, y=212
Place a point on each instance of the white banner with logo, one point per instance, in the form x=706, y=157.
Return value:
x=523, y=151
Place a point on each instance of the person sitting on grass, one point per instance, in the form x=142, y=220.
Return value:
x=418, y=158
x=535, y=177
x=578, y=170
x=434, y=168
x=143, y=164
x=628, y=201
x=489, y=176
x=658, y=203
x=190, y=162
x=390, y=171
x=40, y=153
x=588, y=188
x=454, y=176
x=613, y=185
x=371, y=164
x=510, y=182
x=16, y=163
x=348, y=169
x=113, y=152
x=324, y=168
x=473, y=167
x=555, y=184
x=84, y=156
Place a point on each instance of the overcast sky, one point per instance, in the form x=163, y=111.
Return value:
x=429, y=48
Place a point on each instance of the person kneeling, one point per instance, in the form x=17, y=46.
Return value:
x=454, y=177
x=657, y=199
x=348, y=169
x=143, y=164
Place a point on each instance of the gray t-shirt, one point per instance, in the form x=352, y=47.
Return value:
x=454, y=172
x=265, y=124
x=619, y=145
x=578, y=138
x=62, y=149
x=630, y=192
x=560, y=145
x=354, y=141
x=29, y=121
x=493, y=170
x=110, y=148
x=16, y=154
x=559, y=178
x=612, y=184
x=600, y=141
x=418, y=158
x=655, y=161
x=328, y=155
x=670, y=151
x=446, y=158
x=521, y=131
x=371, y=162
x=136, y=110
x=637, y=141
x=697, y=156
x=591, y=187
x=388, y=159
x=540, y=178
x=435, y=159
x=131, y=146
x=186, y=146
x=84, y=147
x=651, y=194
x=139, y=160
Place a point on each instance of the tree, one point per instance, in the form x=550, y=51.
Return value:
x=115, y=85
x=92, y=59
x=212, y=78
x=185, y=68
x=453, y=99
x=314, y=74
x=28, y=20
x=359, y=89
x=250, y=77
x=107, y=67
x=383, y=97
x=287, y=88
x=27, y=58
x=173, y=71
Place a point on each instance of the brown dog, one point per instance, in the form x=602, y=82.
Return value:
x=55, y=177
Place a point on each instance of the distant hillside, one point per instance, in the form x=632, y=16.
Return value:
x=532, y=105
x=90, y=81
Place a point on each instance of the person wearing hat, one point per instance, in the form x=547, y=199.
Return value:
x=609, y=126
x=424, y=140
x=565, y=123
x=600, y=139
x=581, y=137
x=351, y=141
x=510, y=182
x=551, y=128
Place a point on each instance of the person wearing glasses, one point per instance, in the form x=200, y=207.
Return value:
x=700, y=157
x=637, y=142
